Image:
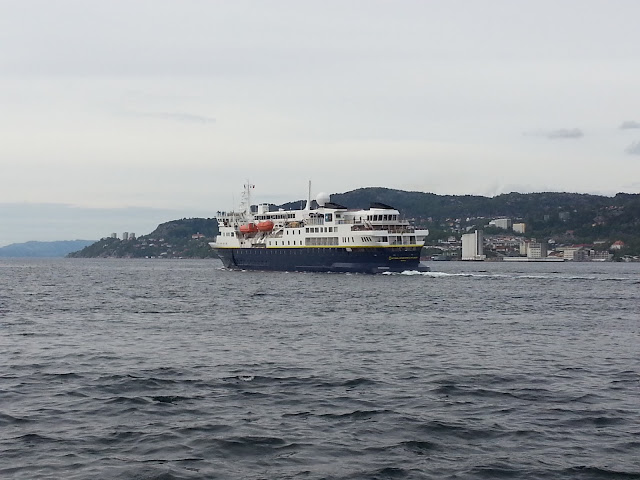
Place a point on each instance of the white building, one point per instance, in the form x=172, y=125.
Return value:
x=503, y=223
x=537, y=250
x=125, y=236
x=472, y=248
x=519, y=227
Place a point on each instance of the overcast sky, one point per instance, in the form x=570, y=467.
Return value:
x=128, y=111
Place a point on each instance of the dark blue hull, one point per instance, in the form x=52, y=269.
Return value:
x=324, y=259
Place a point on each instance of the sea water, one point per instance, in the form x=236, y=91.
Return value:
x=162, y=369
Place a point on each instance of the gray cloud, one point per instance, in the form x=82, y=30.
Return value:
x=564, y=133
x=175, y=117
x=556, y=134
x=629, y=124
x=633, y=149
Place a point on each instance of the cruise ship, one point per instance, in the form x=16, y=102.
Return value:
x=325, y=237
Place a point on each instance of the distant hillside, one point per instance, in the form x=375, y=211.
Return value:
x=43, y=249
x=570, y=217
x=563, y=217
x=174, y=239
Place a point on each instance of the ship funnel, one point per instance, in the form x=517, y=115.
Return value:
x=308, y=205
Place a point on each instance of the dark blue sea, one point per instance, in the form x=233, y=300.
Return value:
x=178, y=369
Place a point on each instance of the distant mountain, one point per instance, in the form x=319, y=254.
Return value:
x=43, y=249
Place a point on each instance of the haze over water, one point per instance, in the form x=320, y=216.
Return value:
x=179, y=369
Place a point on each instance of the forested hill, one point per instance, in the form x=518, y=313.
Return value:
x=570, y=217
x=440, y=207
x=185, y=238
x=582, y=217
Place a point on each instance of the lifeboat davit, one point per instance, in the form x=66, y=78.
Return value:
x=265, y=226
x=248, y=228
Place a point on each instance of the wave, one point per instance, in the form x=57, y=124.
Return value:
x=519, y=276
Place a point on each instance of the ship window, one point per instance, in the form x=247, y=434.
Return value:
x=328, y=217
x=288, y=242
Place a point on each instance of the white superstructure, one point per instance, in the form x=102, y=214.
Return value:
x=329, y=225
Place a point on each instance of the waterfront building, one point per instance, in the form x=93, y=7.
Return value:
x=472, y=246
x=537, y=250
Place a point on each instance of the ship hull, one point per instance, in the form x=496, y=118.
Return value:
x=310, y=259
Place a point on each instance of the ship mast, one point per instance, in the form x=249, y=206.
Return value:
x=247, y=198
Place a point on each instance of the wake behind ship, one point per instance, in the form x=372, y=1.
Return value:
x=328, y=238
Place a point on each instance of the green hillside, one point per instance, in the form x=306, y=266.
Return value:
x=569, y=218
x=174, y=239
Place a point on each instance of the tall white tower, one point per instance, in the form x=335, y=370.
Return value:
x=472, y=248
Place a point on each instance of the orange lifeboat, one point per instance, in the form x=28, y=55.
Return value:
x=265, y=226
x=248, y=228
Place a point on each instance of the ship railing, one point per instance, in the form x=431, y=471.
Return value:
x=314, y=221
x=403, y=229
x=347, y=221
